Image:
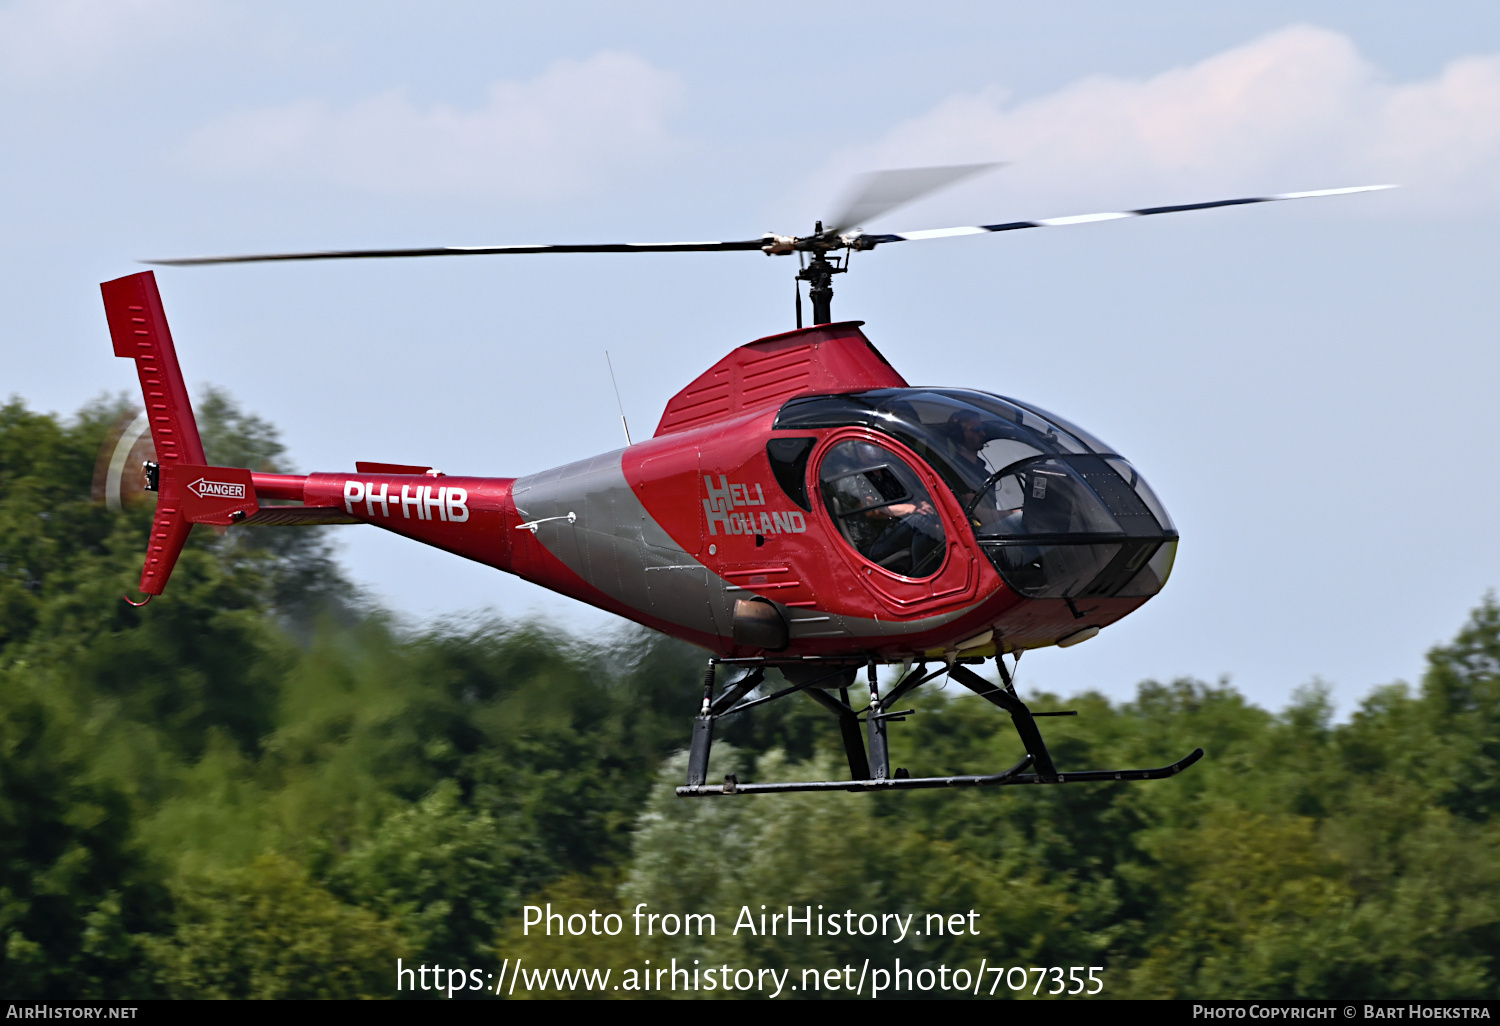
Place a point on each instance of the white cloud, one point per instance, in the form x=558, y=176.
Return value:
x=1298, y=109
x=576, y=123
x=52, y=40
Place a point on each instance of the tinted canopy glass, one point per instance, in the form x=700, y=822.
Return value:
x=966, y=436
x=1064, y=526
x=1057, y=511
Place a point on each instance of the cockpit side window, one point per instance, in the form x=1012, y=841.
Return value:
x=882, y=508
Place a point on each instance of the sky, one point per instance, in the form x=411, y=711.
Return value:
x=1307, y=385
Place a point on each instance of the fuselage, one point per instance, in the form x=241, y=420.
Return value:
x=801, y=500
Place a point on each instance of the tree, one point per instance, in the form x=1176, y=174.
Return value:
x=268, y=931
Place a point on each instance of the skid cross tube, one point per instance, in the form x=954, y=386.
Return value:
x=771, y=698
x=724, y=705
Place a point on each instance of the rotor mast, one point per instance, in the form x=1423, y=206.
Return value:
x=818, y=273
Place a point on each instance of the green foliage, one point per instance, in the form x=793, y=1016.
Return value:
x=49, y=528
x=445, y=872
x=268, y=931
x=75, y=896
x=1462, y=693
x=581, y=894
x=261, y=786
x=209, y=748
x=1300, y=858
x=724, y=856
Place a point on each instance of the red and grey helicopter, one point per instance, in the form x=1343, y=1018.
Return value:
x=801, y=507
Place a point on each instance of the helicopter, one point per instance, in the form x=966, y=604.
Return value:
x=801, y=508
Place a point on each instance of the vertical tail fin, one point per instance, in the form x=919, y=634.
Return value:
x=138, y=326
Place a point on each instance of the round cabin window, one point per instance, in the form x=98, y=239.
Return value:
x=882, y=508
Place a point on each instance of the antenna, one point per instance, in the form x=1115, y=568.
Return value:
x=618, y=401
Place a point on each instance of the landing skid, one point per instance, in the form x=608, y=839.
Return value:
x=870, y=770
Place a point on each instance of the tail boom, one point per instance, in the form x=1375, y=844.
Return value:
x=468, y=516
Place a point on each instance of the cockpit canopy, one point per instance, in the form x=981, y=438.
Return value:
x=1058, y=512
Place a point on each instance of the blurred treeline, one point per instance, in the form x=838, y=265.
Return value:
x=262, y=786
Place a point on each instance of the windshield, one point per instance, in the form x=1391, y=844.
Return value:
x=1066, y=526
x=1039, y=497
x=1060, y=496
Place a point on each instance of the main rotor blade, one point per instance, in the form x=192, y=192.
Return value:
x=873, y=194
x=870, y=241
x=365, y=254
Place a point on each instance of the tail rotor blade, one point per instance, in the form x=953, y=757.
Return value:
x=118, y=478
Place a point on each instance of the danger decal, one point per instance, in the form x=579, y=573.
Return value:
x=206, y=489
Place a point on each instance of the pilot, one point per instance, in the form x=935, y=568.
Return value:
x=968, y=433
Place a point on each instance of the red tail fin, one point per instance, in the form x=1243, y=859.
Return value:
x=138, y=326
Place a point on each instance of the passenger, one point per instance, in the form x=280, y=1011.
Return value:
x=910, y=539
x=905, y=537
